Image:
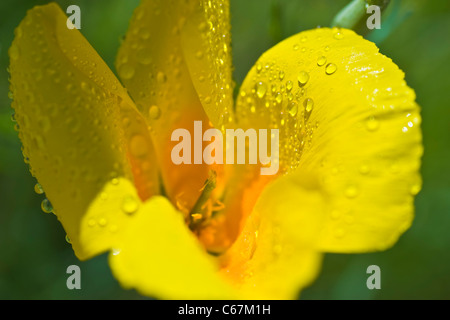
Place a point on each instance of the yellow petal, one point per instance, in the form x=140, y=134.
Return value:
x=72, y=113
x=275, y=256
x=206, y=43
x=346, y=114
x=151, y=65
x=160, y=257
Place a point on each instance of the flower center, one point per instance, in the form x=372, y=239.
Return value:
x=205, y=206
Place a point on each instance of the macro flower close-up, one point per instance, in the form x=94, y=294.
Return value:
x=197, y=185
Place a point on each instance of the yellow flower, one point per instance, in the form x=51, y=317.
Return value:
x=350, y=148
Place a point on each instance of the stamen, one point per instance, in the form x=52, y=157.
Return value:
x=197, y=211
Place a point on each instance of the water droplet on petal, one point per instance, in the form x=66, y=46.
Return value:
x=330, y=68
x=68, y=239
x=138, y=146
x=293, y=108
x=364, y=169
x=335, y=214
x=199, y=54
x=261, y=89
x=351, y=192
x=38, y=189
x=46, y=206
x=321, y=61
x=143, y=57
x=126, y=71
x=258, y=68
x=339, y=233
x=303, y=78
x=161, y=77
x=154, y=112
x=130, y=205
x=309, y=105
x=338, y=35
x=289, y=85
x=415, y=189
x=279, y=98
x=372, y=124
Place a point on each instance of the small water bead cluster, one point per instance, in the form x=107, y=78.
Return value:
x=291, y=102
x=46, y=205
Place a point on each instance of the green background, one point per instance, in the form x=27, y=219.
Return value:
x=415, y=34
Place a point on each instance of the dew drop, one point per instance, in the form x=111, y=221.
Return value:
x=372, y=124
x=303, y=78
x=199, y=54
x=277, y=249
x=293, y=108
x=281, y=75
x=102, y=222
x=143, y=57
x=46, y=206
x=126, y=71
x=279, y=98
x=261, y=89
x=338, y=35
x=154, y=112
x=130, y=205
x=68, y=239
x=161, y=77
x=258, y=68
x=335, y=214
x=351, y=192
x=309, y=105
x=321, y=61
x=339, y=233
x=91, y=223
x=415, y=189
x=289, y=85
x=38, y=189
x=138, y=146
x=364, y=169
x=330, y=68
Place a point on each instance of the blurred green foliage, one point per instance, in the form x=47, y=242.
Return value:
x=34, y=255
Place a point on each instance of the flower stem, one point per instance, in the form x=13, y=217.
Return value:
x=353, y=15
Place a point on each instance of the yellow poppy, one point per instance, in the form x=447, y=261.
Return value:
x=350, y=148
